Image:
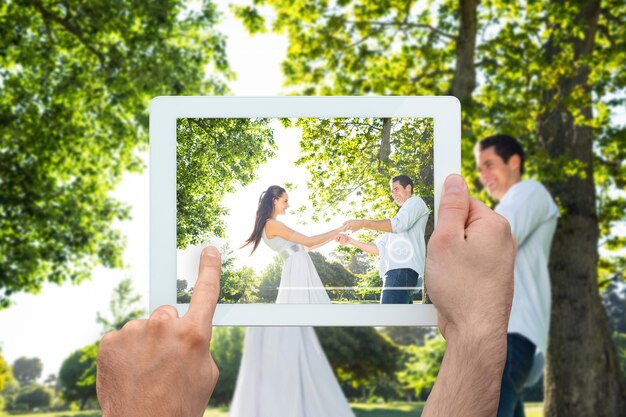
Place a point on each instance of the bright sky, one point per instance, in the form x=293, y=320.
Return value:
x=62, y=319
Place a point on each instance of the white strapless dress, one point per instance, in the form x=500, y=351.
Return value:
x=284, y=371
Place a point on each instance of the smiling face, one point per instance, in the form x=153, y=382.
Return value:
x=281, y=204
x=496, y=175
x=399, y=193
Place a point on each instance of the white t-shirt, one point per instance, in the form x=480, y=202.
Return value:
x=405, y=246
x=532, y=213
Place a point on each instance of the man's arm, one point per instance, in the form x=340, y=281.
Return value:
x=411, y=212
x=529, y=207
x=469, y=278
x=370, y=248
x=379, y=225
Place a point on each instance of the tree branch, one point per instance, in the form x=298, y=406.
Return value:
x=431, y=74
x=67, y=25
x=403, y=24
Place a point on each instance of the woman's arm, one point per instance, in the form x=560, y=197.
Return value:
x=275, y=228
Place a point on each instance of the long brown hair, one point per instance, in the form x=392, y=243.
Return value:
x=263, y=212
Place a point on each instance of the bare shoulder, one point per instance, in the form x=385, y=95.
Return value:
x=272, y=226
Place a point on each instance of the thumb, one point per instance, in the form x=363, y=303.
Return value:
x=453, y=208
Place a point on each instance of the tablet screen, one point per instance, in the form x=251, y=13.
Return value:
x=326, y=171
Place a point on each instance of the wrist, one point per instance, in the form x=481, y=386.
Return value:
x=482, y=348
x=472, y=370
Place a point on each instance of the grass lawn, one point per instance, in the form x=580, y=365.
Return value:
x=360, y=410
x=387, y=410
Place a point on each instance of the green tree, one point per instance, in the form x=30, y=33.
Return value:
x=123, y=307
x=226, y=349
x=550, y=72
x=371, y=284
x=333, y=274
x=360, y=356
x=358, y=263
x=33, y=396
x=9, y=393
x=405, y=336
x=212, y=156
x=6, y=376
x=6, y=373
x=183, y=296
x=78, y=376
x=270, y=280
x=52, y=382
x=352, y=160
x=237, y=285
x=27, y=370
x=421, y=366
x=76, y=79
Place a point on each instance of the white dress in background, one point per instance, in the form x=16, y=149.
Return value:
x=284, y=371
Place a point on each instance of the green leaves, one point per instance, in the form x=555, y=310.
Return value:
x=348, y=163
x=78, y=375
x=524, y=55
x=76, y=79
x=422, y=365
x=212, y=156
x=123, y=307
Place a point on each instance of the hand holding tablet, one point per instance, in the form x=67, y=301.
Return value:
x=470, y=264
x=162, y=366
x=141, y=371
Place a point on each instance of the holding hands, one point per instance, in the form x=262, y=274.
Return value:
x=343, y=239
x=352, y=225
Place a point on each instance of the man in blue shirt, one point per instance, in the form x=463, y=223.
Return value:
x=402, y=249
x=532, y=214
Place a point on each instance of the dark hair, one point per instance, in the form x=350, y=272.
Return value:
x=505, y=147
x=404, y=180
x=263, y=212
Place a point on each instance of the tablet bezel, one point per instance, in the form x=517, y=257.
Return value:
x=164, y=111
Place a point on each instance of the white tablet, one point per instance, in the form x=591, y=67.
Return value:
x=222, y=167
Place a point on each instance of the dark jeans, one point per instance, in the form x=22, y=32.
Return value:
x=404, y=279
x=519, y=360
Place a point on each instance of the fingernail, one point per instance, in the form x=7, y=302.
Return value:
x=454, y=184
x=211, y=251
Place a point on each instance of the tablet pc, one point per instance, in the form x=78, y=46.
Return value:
x=335, y=158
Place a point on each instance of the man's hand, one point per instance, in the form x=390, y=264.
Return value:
x=352, y=225
x=469, y=277
x=162, y=366
x=469, y=266
x=342, y=239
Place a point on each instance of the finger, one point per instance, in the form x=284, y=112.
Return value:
x=453, y=208
x=478, y=211
x=164, y=313
x=207, y=288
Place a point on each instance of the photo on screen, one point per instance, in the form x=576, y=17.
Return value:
x=328, y=171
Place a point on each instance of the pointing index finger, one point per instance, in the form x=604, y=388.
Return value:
x=207, y=289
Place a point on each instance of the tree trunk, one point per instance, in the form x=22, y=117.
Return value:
x=464, y=80
x=385, y=141
x=583, y=377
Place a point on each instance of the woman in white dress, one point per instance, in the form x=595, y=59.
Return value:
x=284, y=371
